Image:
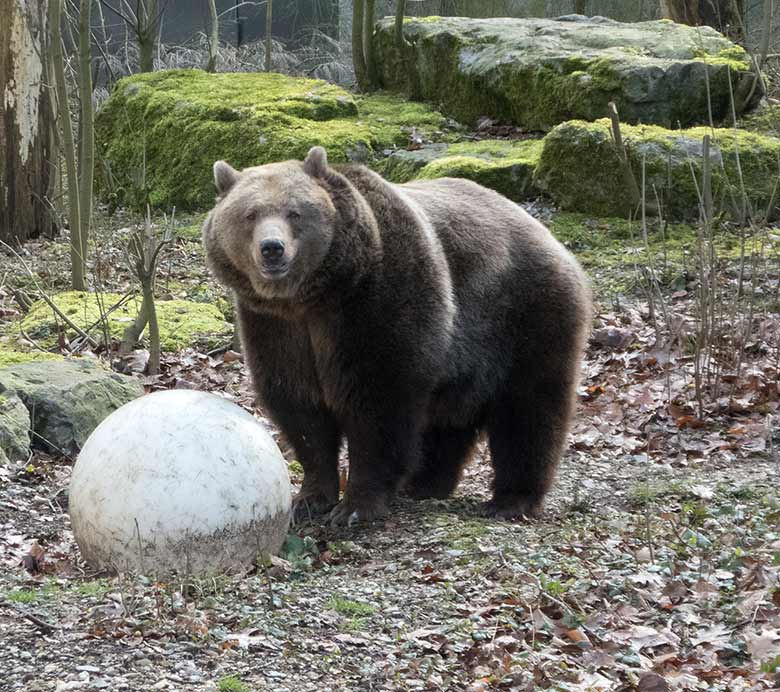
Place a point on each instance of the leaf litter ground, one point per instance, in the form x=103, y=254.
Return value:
x=656, y=565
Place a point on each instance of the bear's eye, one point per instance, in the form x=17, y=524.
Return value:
x=251, y=216
x=293, y=215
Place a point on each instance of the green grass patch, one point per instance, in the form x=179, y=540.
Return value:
x=47, y=590
x=22, y=596
x=93, y=589
x=613, y=251
x=352, y=609
x=231, y=683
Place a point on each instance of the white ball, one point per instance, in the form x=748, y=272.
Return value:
x=180, y=481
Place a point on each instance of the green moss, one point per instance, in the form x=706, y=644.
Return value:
x=22, y=596
x=160, y=133
x=503, y=165
x=48, y=589
x=465, y=535
x=8, y=358
x=93, y=589
x=612, y=250
x=167, y=128
x=736, y=57
x=581, y=169
x=765, y=121
x=507, y=167
x=471, y=68
x=231, y=683
x=534, y=95
x=182, y=323
x=190, y=229
x=349, y=608
x=391, y=119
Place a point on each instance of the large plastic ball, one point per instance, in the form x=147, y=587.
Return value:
x=179, y=481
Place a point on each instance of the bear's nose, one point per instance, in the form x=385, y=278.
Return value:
x=272, y=250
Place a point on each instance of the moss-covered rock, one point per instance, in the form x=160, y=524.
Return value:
x=540, y=72
x=67, y=399
x=15, y=428
x=159, y=133
x=502, y=165
x=182, y=323
x=393, y=121
x=581, y=170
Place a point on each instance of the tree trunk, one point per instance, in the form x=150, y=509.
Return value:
x=369, y=18
x=148, y=28
x=358, y=58
x=86, y=128
x=725, y=15
x=25, y=123
x=211, y=66
x=68, y=146
x=145, y=53
x=400, y=11
x=269, y=22
x=153, y=366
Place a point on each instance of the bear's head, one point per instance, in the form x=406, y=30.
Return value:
x=272, y=225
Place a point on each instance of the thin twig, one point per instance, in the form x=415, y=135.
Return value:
x=35, y=620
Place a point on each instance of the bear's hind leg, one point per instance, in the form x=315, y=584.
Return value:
x=527, y=431
x=445, y=452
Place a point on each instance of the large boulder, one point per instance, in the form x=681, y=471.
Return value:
x=540, y=72
x=159, y=133
x=503, y=165
x=580, y=168
x=14, y=427
x=65, y=399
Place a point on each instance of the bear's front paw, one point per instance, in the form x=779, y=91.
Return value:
x=512, y=508
x=348, y=513
x=307, y=506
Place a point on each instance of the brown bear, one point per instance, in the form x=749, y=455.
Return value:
x=407, y=319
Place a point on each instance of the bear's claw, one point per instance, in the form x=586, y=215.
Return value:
x=521, y=508
x=308, y=506
x=347, y=513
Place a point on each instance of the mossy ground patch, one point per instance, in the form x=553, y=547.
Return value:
x=182, y=323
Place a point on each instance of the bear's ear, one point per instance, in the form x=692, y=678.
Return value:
x=316, y=162
x=225, y=177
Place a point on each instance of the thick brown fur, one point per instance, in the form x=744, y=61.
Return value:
x=412, y=318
